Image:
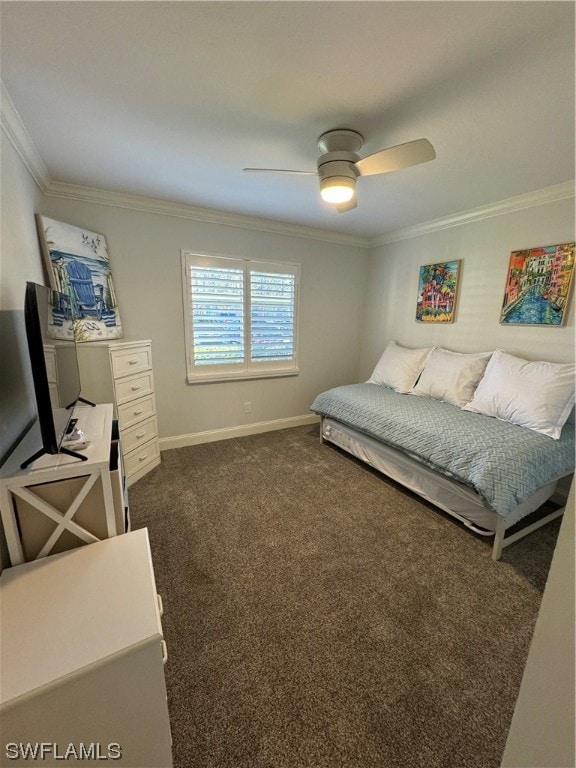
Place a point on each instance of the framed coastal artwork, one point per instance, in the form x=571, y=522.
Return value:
x=437, y=292
x=78, y=266
x=538, y=286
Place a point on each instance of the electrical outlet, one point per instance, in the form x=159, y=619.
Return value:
x=247, y=407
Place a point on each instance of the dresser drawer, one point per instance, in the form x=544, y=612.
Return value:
x=141, y=456
x=136, y=411
x=127, y=361
x=133, y=387
x=139, y=434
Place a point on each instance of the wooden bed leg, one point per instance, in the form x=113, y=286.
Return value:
x=499, y=539
x=322, y=430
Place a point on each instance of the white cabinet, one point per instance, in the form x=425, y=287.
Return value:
x=60, y=501
x=81, y=661
x=121, y=372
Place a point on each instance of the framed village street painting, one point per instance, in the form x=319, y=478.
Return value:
x=437, y=292
x=538, y=286
x=79, y=267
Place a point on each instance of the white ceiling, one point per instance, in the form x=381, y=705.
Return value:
x=172, y=99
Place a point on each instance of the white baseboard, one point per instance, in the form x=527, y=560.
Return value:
x=196, y=438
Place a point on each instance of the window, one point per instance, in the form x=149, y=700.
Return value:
x=240, y=316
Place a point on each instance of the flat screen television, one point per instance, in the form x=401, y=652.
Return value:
x=54, y=364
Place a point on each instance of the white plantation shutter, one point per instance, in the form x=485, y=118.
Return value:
x=241, y=318
x=217, y=315
x=271, y=316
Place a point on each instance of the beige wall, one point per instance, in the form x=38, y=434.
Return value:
x=542, y=731
x=145, y=253
x=20, y=261
x=484, y=248
x=353, y=300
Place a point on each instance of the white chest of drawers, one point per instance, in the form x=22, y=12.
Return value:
x=121, y=372
x=81, y=660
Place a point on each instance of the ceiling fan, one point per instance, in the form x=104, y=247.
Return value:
x=339, y=165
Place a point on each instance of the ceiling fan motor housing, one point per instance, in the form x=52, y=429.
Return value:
x=338, y=164
x=338, y=158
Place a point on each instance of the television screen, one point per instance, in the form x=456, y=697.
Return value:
x=54, y=362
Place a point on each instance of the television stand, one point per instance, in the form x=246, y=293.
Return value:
x=56, y=502
x=42, y=452
x=80, y=400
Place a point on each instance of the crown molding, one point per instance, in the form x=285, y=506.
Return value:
x=17, y=134
x=14, y=128
x=181, y=210
x=150, y=205
x=528, y=200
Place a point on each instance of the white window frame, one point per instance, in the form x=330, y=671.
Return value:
x=197, y=374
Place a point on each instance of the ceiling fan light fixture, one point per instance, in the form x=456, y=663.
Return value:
x=337, y=189
x=339, y=166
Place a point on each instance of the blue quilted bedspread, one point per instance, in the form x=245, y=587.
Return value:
x=503, y=463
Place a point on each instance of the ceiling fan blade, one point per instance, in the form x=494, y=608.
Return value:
x=394, y=158
x=349, y=206
x=281, y=170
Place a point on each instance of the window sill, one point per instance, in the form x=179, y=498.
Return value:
x=241, y=376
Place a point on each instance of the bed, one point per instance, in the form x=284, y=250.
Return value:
x=487, y=472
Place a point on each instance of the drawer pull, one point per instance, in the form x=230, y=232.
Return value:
x=143, y=457
x=160, y=605
x=132, y=362
x=164, y=651
x=140, y=434
x=138, y=411
x=135, y=387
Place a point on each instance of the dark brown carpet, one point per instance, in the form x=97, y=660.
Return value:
x=318, y=616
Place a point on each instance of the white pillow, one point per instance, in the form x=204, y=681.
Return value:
x=451, y=376
x=537, y=395
x=399, y=367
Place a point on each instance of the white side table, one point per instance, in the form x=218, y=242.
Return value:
x=59, y=501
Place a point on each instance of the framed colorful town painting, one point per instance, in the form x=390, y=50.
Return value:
x=538, y=286
x=437, y=292
x=78, y=266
